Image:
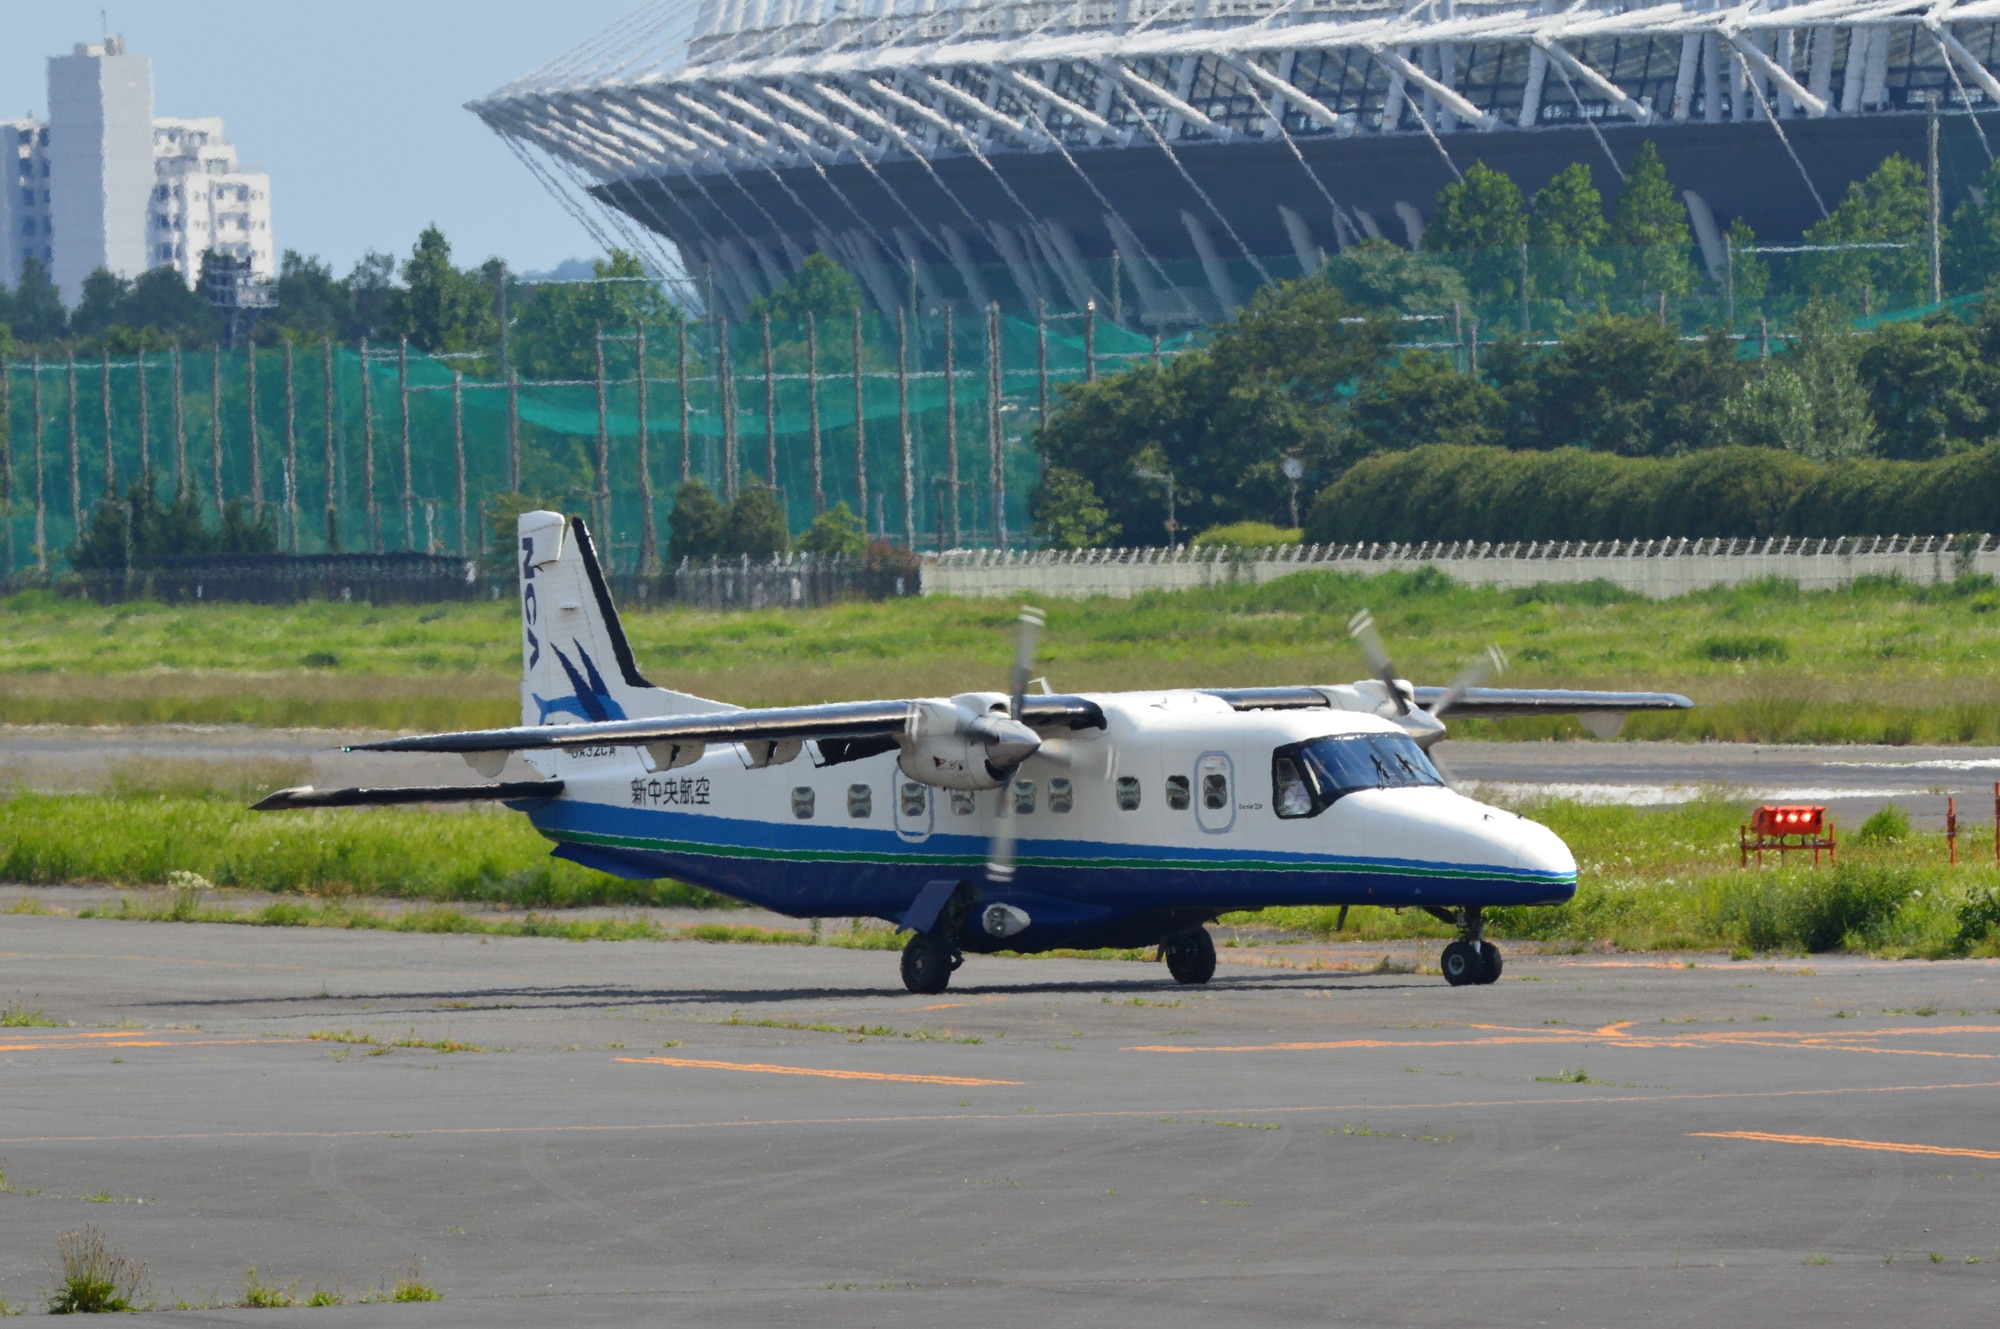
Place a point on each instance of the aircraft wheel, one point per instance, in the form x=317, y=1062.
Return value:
x=1191, y=956
x=1489, y=956
x=1462, y=964
x=927, y=963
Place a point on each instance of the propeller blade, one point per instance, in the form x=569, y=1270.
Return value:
x=1488, y=665
x=1362, y=628
x=1027, y=634
x=1000, y=850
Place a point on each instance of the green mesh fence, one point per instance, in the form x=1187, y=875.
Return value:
x=418, y=448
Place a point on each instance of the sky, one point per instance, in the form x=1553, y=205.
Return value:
x=355, y=107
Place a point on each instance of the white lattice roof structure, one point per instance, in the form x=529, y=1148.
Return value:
x=748, y=132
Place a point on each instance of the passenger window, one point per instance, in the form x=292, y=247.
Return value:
x=961, y=802
x=1059, y=796
x=914, y=799
x=1024, y=796
x=802, y=803
x=1289, y=796
x=1128, y=793
x=1177, y=792
x=1215, y=791
x=860, y=802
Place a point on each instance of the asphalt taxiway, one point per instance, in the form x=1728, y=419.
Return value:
x=619, y=1133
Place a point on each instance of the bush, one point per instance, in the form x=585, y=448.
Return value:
x=94, y=1280
x=1889, y=825
x=1248, y=535
x=1810, y=909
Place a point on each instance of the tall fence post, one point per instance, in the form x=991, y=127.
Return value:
x=145, y=426
x=1042, y=361
x=41, y=469
x=374, y=513
x=725, y=388
x=1524, y=288
x=601, y=496
x=458, y=455
x=332, y=457
x=110, y=439
x=770, y=412
x=7, y=462
x=215, y=422
x=860, y=430
x=950, y=430
x=686, y=414
x=649, y=540
x=250, y=414
x=812, y=412
x=1090, y=341
x=75, y=468
x=1936, y=202
x=903, y=428
x=409, y=481
x=513, y=431
x=180, y=431
x=291, y=456
x=996, y=439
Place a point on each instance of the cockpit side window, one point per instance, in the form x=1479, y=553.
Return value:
x=1307, y=778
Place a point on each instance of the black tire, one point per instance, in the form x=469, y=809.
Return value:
x=1489, y=956
x=1190, y=956
x=927, y=964
x=1462, y=964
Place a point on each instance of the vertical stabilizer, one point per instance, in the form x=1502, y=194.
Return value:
x=576, y=666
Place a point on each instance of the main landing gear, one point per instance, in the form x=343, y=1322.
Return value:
x=1190, y=956
x=1471, y=959
x=929, y=959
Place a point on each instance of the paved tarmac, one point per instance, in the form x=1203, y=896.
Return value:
x=679, y=1133
x=1853, y=781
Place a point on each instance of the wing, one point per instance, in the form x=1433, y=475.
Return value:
x=1500, y=703
x=305, y=796
x=841, y=722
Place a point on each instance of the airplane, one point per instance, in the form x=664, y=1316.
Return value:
x=1005, y=821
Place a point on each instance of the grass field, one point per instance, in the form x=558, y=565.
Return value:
x=1881, y=662
x=1648, y=879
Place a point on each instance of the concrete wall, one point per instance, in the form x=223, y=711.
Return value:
x=1656, y=569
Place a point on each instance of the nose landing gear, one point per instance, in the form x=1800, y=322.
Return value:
x=1471, y=959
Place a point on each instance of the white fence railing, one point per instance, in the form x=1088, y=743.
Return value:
x=1656, y=569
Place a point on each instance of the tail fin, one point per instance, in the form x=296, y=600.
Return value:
x=575, y=660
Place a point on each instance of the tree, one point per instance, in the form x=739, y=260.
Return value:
x=1891, y=206
x=140, y=531
x=697, y=528
x=756, y=526
x=1927, y=387
x=1375, y=274
x=1566, y=235
x=555, y=335
x=1618, y=384
x=1972, y=244
x=312, y=304
x=98, y=311
x=1482, y=222
x=1749, y=275
x=444, y=310
x=836, y=533
x=35, y=312
x=1651, y=228
x=1421, y=398
x=160, y=302
x=820, y=287
x=378, y=304
x=1810, y=400
x=1068, y=513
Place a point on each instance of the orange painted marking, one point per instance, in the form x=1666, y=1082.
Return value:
x=943, y=1006
x=1833, y=1142
x=53, y=1046
x=762, y=1068
x=1620, y=1035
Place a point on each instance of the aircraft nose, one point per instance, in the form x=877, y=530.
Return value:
x=1539, y=850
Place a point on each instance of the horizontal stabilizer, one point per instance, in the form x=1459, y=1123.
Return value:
x=288, y=800
x=1500, y=703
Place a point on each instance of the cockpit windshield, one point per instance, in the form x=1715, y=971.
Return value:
x=1307, y=778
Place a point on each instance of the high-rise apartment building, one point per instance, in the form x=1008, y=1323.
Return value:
x=100, y=162
x=102, y=183
x=203, y=199
x=24, y=197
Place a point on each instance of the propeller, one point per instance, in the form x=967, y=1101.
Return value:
x=1362, y=628
x=1000, y=852
x=1489, y=664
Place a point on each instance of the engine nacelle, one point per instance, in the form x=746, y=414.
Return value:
x=963, y=744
